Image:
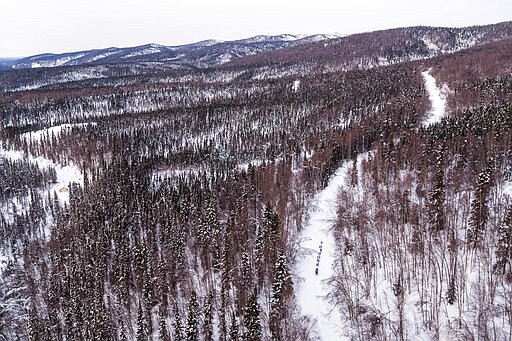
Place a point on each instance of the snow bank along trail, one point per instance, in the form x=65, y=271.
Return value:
x=317, y=243
x=437, y=97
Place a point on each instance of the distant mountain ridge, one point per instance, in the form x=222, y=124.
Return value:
x=256, y=58
x=202, y=54
x=361, y=50
x=370, y=49
x=5, y=63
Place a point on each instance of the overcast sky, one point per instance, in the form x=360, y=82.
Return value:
x=30, y=27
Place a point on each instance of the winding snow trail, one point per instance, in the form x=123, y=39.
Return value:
x=437, y=97
x=312, y=289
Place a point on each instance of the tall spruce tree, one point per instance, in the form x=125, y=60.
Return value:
x=208, y=318
x=252, y=319
x=191, y=331
x=233, y=329
x=281, y=277
x=437, y=195
x=479, y=209
x=504, y=248
x=177, y=326
x=142, y=327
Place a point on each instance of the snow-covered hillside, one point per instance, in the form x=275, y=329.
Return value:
x=200, y=54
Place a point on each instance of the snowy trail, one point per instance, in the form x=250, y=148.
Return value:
x=312, y=289
x=437, y=97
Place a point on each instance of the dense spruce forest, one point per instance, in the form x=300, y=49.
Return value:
x=171, y=204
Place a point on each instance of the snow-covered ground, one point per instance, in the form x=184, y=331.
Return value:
x=437, y=97
x=430, y=44
x=317, y=240
x=296, y=85
x=65, y=174
x=507, y=189
x=52, y=62
x=36, y=136
x=150, y=50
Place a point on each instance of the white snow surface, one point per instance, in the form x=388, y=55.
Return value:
x=55, y=130
x=430, y=44
x=143, y=52
x=66, y=174
x=225, y=58
x=100, y=56
x=437, y=97
x=296, y=85
x=507, y=189
x=58, y=61
x=13, y=155
x=311, y=289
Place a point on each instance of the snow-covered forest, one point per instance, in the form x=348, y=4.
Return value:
x=323, y=196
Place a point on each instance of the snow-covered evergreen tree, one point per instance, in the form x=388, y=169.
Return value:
x=177, y=333
x=191, y=329
x=479, y=208
x=437, y=196
x=233, y=329
x=208, y=318
x=504, y=247
x=142, y=325
x=281, y=277
x=252, y=321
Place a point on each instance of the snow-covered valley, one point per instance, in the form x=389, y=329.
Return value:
x=397, y=290
x=314, y=270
